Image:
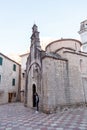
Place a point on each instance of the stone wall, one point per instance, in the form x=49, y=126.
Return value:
x=7, y=75
x=77, y=72
x=54, y=83
x=64, y=82
x=23, y=74
x=77, y=75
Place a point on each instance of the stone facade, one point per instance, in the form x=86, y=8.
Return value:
x=23, y=71
x=58, y=74
x=9, y=80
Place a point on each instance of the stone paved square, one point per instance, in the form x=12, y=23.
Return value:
x=15, y=116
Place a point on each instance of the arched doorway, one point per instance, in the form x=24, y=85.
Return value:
x=34, y=91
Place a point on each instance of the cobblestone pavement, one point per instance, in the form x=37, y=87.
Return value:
x=17, y=117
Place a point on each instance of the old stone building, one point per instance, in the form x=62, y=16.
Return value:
x=10, y=84
x=58, y=74
x=23, y=71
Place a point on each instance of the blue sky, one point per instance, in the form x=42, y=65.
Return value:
x=54, y=18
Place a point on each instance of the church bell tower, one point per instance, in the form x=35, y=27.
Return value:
x=83, y=35
x=35, y=44
x=33, y=69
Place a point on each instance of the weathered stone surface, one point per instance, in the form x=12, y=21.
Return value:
x=7, y=75
x=58, y=74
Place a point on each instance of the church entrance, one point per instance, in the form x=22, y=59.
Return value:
x=34, y=91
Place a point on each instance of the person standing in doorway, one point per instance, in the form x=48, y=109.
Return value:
x=37, y=102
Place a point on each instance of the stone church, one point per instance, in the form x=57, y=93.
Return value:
x=58, y=74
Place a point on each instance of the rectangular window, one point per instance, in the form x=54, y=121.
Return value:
x=1, y=59
x=0, y=78
x=13, y=82
x=14, y=67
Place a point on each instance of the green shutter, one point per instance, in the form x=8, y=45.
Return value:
x=0, y=78
x=1, y=60
x=14, y=67
x=13, y=82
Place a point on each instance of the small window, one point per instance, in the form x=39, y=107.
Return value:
x=0, y=78
x=23, y=74
x=81, y=63
x=14, y=67
x=13, y=82
x=1, y=59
